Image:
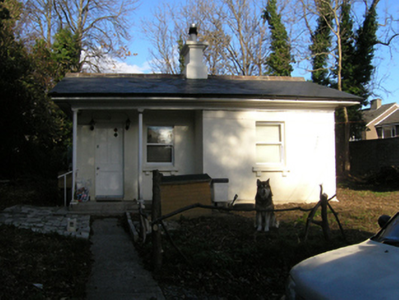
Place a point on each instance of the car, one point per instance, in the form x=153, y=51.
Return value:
x=369, y=270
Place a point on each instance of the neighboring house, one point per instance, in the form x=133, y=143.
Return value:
x=382, y=121
x=235, y=127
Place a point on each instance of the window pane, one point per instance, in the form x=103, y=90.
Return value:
x=268, y=133
x=159, y=135
x=268, y=154
x=387, y=133
x=379, y=132
x=159, y=154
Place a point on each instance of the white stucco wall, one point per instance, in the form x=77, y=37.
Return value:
x=222, y=144
x=187, y=160
x=229, y=152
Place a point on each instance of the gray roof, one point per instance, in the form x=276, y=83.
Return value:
x=392, y=119
x=153, y=85
x=371, y=114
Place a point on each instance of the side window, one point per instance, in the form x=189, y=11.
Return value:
x=379, y=132
x=269, y=142
x=160, y=144
x=387, y=132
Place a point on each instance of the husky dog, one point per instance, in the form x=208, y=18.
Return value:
x=263, y=200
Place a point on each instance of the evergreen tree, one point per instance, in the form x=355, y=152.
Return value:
x=321, y=44
x=15, y=105
x=357, y=56
x=180, y=44
x=366, y=39
x=347, y=37
x=32, y=130
x=278, y=63
x=65, y=53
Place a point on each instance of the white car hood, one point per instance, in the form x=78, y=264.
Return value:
x=369, y=270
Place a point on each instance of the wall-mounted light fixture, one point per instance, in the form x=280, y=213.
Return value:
x=92, y=123
x=127, y=124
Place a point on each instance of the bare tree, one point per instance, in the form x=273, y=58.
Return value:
x=163, y=35
x=101, y=26
x=234, y=30
x=246, y=51
x=210, y=19
x=41, y=19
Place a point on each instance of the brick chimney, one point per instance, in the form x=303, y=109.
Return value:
x=193, y=53
x=375, y=104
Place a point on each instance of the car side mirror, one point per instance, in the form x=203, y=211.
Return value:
x=383, y=219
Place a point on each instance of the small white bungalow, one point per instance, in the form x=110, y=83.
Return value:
x=235, y=127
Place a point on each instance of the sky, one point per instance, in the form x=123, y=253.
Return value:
x=386, y=58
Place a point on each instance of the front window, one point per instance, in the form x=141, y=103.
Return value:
x=269, y=143
x=160, y=144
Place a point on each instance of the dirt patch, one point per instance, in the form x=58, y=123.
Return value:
x=224, y=257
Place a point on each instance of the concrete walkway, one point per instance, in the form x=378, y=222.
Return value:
x=117, y=272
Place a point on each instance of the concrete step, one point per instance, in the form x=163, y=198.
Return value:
x=103, y=208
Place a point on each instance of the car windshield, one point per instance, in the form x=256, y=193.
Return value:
x=390, y=233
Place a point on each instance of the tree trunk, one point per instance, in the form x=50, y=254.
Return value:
x=347, y=164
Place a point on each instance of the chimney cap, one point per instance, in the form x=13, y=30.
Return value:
x=193, y=29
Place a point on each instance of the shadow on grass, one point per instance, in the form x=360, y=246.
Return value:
x=42, y=266
x=384, y=180
x=228, y=258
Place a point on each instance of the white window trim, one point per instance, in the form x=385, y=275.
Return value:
x=272, y=167
x=167, y=166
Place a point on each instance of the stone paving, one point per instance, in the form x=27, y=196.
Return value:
x=47, y=220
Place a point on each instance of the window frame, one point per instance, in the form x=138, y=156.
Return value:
x=172, y=145
x=280, y=143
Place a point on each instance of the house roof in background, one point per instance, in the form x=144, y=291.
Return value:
x=392, y=119
x=80, y=85
x=371, y=114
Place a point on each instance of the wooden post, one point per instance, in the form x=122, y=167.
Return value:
x=324, y=217
x=323, y=202
x=156, y=214
x=310, y=219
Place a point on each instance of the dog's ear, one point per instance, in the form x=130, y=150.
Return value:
x=268, y=181
x=258, y=182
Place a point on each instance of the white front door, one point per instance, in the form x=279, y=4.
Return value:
x=109, y=163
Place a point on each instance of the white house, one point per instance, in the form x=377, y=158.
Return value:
x=235, y=127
